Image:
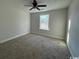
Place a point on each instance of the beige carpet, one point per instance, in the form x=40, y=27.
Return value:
x=34, y=47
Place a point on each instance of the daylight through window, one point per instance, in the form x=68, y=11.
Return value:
x=44, y=22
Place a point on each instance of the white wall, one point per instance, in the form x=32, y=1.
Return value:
x=73, y=17
x=57, y=23
x=14, y=21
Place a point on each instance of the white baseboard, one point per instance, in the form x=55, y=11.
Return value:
x=50, y=36
x=3, y=41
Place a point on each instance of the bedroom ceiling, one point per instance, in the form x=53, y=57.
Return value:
x=51, y=4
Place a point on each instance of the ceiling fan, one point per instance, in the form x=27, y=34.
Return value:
x=35, y=5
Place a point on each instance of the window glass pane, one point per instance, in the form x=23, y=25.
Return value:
x=44, y=22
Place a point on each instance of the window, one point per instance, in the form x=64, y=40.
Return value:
x=44, y=22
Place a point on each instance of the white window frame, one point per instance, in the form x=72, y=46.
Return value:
x=43, y=26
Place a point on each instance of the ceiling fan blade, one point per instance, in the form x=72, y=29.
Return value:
x=31, y=8
x=27, y=5
x=37, y=8
x=42, y=5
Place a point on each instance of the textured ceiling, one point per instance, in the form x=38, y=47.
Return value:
x=51, y=4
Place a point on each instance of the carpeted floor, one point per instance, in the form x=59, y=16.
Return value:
x=34, y=47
